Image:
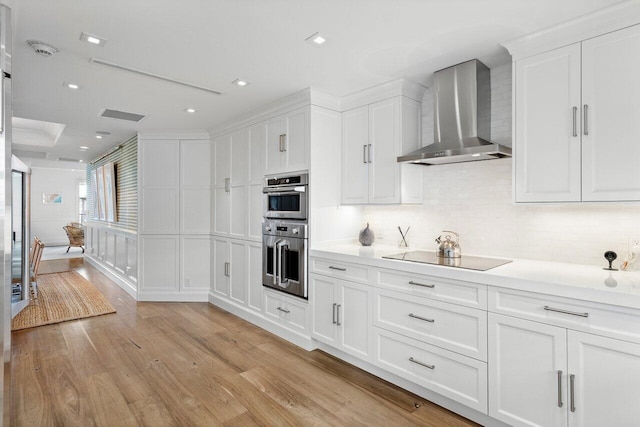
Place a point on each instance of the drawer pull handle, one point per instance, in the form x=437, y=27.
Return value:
x=573, y=313
x=411, y=359
x=337, y=268
x=421, y=284
x=283, y=310
x=421, y=318
x=338, y=315
x=560, y=389
x=334, y=314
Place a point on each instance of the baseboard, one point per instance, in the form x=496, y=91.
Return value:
x=173, y=296
x=259, y=320
x=128, y=287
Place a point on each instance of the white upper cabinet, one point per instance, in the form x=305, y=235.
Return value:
x=576, y=126
x=547, y=117
x=373, y=136
x=287, y=147
x=611, y=130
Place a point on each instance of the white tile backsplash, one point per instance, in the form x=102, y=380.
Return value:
x=475, y=200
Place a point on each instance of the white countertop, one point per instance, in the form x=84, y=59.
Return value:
x=585, y=282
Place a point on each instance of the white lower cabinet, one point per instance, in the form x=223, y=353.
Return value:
x=230, y=270
x=342, y=314
x=545, y=375
x=287, y=311
x=457, y=377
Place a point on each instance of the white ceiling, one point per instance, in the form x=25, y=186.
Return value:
x=212, y=42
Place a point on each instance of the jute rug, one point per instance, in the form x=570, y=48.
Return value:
x=61, y=297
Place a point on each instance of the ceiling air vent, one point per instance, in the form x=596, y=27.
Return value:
x=67, y=159
x=42, y=49
x=30, y=154
x=120, y=115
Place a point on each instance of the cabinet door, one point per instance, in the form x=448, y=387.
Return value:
x=222, y=209
x=606, y=382
x=238, y=271
x=610, y=93
x=324, y=294
x=222, y=156
x=220, y=268
x=159, y=266
x=524, y=359
x=257, y=149
x=195, y=187
x=355, y=165
x=296, y=143
x=254, y=228
x=547, y=121
x=354, y=316
x=195, y=259
x=275, y=159
x=255, y=288
x=238, y=214
x=384, y=137
x=239, y=157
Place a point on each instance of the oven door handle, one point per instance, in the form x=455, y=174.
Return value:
x=282, y=262
x=285, y=191
x=275, y=262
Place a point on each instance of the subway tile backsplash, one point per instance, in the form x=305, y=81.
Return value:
x=475, y=200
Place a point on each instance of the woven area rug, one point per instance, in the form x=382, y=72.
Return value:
x=61, y=297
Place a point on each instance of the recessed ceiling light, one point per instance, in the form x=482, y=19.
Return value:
x=93, y=39
x=316, y=38
x=239, y=82
x=84, y=147
x=475, y=155
x=70, y=85
x=99, y=136
x=81, y=161
x=190, y=110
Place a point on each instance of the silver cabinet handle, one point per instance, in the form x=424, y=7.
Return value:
x=560, y=389
x=227, y=268
x=227, y=185
x=573, y=313
x=421, y=284
x=337, y=268
x=369, y=156
x=586, y=119
x=338, y=315
x=333, y=318
x=421, y=318
x=364, y=153
x=411, y=359
x=283, y=142
x=575, y=121
x=283, y=310
x=572, y=387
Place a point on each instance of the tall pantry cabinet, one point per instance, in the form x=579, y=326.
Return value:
x=174, y=192
x=576, y=121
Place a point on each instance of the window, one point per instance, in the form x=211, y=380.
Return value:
x=82, y=201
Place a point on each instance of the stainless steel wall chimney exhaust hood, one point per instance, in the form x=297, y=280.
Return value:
x=462, y=118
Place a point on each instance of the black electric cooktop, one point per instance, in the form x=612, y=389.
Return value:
x=465, y=261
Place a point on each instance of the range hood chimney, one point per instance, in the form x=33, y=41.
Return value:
x=462, y=118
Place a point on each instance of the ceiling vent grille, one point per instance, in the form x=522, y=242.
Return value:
x=67, y=159
x=120, y=115
x=30, y=154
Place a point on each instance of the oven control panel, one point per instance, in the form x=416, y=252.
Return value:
x=285, y=229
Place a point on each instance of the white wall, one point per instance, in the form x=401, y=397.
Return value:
x=47, y=220
x=475, y=199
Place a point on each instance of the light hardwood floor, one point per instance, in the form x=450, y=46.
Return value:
x=192, y=364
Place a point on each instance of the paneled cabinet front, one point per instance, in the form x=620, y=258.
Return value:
x=576, y=121
x=547, y=375
x=287, y=142
x=342, y=314
x=373, y=136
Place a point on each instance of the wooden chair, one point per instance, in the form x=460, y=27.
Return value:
x=76, y=237
x=34, y=263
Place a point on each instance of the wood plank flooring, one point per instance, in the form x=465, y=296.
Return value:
x=192, y=364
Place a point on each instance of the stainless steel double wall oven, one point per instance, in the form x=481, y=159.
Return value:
x=285, y=234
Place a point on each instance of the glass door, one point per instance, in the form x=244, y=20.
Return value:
x=20, y=220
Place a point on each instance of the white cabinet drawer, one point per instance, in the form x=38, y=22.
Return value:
x=355, y=273
x=454, y=291
x=600, y=319
x=456, y=328
x=457, y=377
x=282, y=309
